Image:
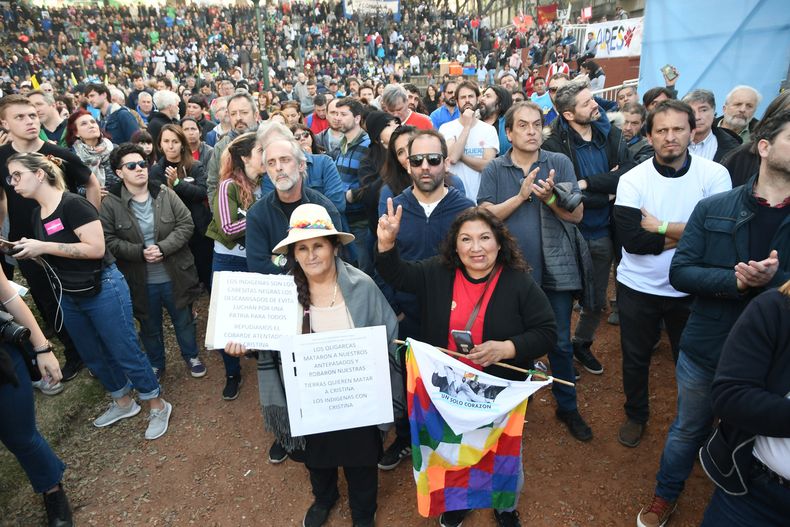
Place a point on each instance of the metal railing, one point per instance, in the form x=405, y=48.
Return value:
x=578, y=31
x=611, y=93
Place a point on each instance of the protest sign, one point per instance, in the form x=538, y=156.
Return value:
x=618, y=38
x=251, y=308
x=336, y=380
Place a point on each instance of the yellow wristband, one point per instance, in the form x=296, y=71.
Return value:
x=662, y=229
x=552, y=199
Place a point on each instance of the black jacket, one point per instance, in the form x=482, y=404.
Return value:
x=155, y=123
x=599, y=186
x=192, y=191
x=727, y=141
x=518, y=310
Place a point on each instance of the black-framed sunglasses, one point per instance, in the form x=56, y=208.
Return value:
x=434, y=160
x=135, y=164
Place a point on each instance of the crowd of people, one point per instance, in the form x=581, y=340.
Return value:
x=492, y=207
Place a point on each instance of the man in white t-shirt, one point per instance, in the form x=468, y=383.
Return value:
x=654, y=201
x=471, y=142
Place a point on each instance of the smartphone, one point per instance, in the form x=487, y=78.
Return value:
x=7, y=246
x=669, y=72
x=463, y=341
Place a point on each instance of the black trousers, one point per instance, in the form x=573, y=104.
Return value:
x=362, y=489
x=640, y=327
x=47, y=304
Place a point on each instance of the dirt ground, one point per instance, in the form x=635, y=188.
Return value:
x=211, y=469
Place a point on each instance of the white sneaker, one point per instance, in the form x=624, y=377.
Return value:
x=158, y=421
x=115, y=413
x=47, y=388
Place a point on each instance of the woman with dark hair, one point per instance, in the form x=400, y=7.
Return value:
x=333, y=296
x=379, y=127
x=200, y=150
x=306, y=138
x=478, y=283
x=178, y=170
x=85, y=139
x=431, y=99
x=239, y=187
x=95, y=299
x=144, y=140
x=137, y=215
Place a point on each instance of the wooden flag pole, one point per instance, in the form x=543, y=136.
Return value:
x=501, y=364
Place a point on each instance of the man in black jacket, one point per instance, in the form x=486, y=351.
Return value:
x=600, y=156
x=709, y=142
x=735, y=245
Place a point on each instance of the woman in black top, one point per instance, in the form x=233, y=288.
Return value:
x=479, y=283
x=95, y=303
x=178, y=170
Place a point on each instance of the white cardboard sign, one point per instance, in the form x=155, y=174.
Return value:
x=336, y=380
x=251, y=308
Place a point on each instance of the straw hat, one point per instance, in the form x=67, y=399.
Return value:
x=310, y=221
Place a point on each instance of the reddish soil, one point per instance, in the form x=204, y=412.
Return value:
x=211, y=469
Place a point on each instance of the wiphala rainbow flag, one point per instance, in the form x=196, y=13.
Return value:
x=466, y=429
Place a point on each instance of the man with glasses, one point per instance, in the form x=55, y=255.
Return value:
x=449, y=110
x=429, y=207
x=20, y=118
x=519, y=188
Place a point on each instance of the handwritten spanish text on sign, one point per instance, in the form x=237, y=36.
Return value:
x=251, y=308
x=336, y=380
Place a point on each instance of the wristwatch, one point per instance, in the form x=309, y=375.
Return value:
x=280, y=260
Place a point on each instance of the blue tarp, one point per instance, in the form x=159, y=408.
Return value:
x=717, y=44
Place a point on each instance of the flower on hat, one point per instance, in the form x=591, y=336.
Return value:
x=317, y=223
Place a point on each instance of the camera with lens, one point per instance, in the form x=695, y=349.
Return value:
x=12, y=332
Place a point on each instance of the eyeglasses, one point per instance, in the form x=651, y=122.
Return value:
x=16, y=176
x=301, y=135
x=434, y=160
x=135, y=164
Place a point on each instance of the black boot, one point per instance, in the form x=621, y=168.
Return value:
x=58, y=508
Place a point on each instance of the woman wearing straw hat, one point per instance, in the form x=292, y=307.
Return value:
x=333, y=295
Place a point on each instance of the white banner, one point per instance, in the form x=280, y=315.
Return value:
x=251, y=308
x=465, y=397
x=336, y=380
x=371, y=6
x=618, y=38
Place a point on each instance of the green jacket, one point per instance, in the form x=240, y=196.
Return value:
x=172, y=230
x=229, y=217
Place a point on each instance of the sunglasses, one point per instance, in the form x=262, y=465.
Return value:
x=434, y=160
x=300, y=136
x=135, y=164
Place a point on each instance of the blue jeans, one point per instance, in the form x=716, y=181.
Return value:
x=18, y=430
x=362, y=239
x=161, y=295
x=689, y=430
x=228, y=262
x=561, y=357
x=767, y=504
x=102, y=328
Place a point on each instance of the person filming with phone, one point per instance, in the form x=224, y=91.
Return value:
x=478, y=284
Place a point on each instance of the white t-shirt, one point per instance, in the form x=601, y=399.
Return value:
x=774, y=452
x=481, y=136
x=668, y=199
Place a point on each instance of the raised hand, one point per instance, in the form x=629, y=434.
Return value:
x=389, y=225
